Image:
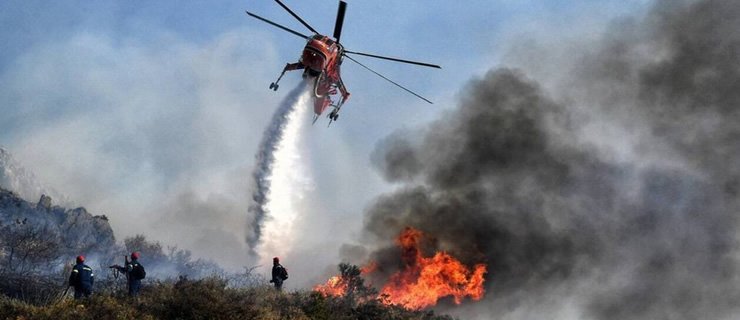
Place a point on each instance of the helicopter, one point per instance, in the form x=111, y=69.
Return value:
x=321, y=60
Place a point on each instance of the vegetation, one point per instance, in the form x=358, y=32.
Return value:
x=35, y=262
x=207, y=298
x=38, y=244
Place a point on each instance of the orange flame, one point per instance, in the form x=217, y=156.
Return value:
x=335, y=286
x=423, y=281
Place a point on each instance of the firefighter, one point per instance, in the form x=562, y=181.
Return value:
x=134, y=272
x=279, y=274
x=82, y=278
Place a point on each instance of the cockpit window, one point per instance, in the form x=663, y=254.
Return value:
x=329, y=41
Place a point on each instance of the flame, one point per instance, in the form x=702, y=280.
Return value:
x=337, y=285
x=422, y=281
x=369, y=268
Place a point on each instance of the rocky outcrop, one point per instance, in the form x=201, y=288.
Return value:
x=44, y=202
x=77, y=230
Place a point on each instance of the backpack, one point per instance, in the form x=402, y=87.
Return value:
x=137, y=271
x=283, y=273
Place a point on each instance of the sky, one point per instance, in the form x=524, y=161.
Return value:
x=152, y=112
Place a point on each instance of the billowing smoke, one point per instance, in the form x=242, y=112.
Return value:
x=612, y=194
x=281, y=134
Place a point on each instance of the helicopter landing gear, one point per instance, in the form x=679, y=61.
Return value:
x=274, y=86
x=333, y=116
x=288, y=67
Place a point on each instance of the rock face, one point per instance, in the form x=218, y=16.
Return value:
x=44, y=202
x=23, y=182
x=77, y=230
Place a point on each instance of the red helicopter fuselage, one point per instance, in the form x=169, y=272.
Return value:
x=321, y=58
x=320, y=61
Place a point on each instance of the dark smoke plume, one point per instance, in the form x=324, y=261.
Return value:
x=265, y=157
x=515, y=178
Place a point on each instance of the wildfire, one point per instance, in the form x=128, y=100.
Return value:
x=423, y=280
x=335, y=286
x=338, y=285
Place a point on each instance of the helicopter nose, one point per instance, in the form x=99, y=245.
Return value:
x=313, y=61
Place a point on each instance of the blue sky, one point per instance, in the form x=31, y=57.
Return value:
x=460, y=37
x=126, y=106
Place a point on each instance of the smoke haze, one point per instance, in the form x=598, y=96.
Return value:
x=160, y=141
x=608, y=191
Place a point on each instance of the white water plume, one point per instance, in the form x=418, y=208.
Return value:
x=289, y=183
x=280, y=177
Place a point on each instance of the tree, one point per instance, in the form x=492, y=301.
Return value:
x=151, y=251
x=29, y=257
x=357, y=291
x=28, y=248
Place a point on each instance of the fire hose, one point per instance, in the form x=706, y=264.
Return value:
x=116, y=272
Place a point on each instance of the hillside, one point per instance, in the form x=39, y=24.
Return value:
x=76, y=229
x=38, y=241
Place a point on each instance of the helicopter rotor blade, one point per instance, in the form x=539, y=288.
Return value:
x=395, y=59
x=277, y=25
x=296, y=16
x=340, y=20
x=389, y=80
